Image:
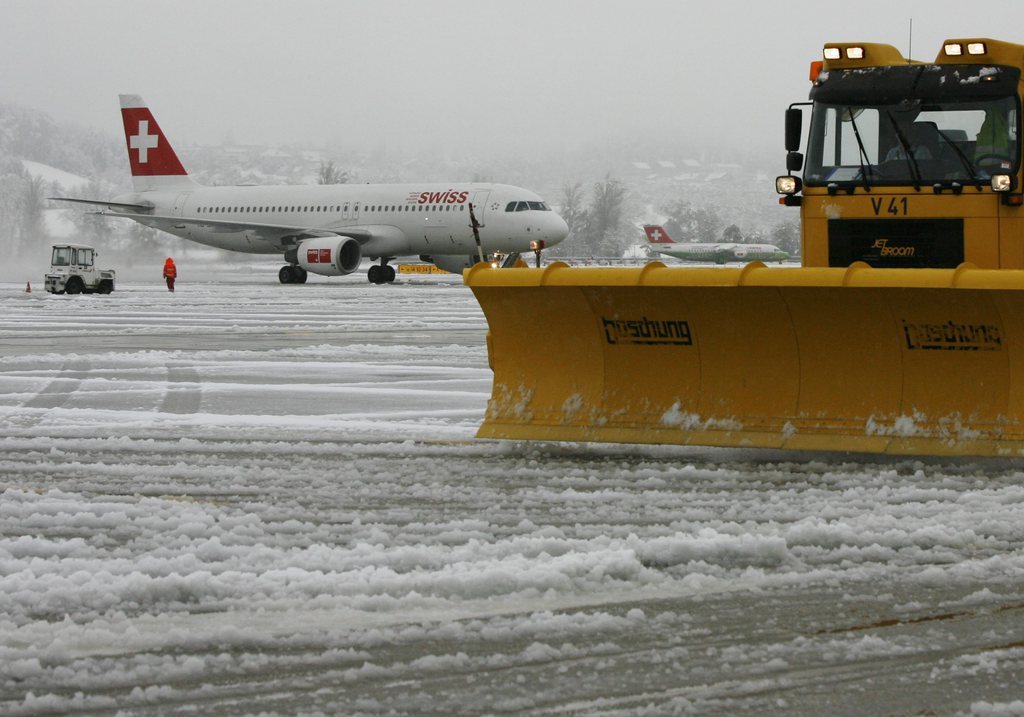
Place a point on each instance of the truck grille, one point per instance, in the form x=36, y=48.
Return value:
x=897, y=243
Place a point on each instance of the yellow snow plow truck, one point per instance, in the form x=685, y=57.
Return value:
x=902, y=332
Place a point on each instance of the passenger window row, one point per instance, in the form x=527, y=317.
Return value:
x=337, y=208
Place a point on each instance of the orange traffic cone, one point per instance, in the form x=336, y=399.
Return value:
x=28, y=287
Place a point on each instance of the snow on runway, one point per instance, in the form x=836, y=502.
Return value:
x=262, y=499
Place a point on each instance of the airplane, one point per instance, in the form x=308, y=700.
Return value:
x=326, y=229
x=658, y=240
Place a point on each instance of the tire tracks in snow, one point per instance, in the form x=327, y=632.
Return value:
x=184, y=394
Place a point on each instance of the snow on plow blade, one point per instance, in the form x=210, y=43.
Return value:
x=907, y=361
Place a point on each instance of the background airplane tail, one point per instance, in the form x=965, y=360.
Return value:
x=657, y=235
x=153, y=161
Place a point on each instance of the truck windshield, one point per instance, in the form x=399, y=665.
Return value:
x=912, y=142
x=61, y=256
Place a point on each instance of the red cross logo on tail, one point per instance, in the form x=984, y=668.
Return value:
x=143, y=141
x=657, y=235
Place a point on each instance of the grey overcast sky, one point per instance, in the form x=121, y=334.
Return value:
x=530, y=73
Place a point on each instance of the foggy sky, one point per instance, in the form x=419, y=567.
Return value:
x=527, y=75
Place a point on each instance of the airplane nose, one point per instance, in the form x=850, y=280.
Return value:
x=558, y=230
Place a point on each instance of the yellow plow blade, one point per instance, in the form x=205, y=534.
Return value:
x=908, y=361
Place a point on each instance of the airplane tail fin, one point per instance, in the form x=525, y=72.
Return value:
x=153, y=161
x=657, y=235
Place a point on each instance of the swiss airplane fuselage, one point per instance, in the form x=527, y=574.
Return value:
x=721, y=253
x=397, y=219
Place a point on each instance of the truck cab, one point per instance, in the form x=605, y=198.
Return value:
x=73, y=271
x=910, y=164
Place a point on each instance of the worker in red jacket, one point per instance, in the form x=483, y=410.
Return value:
x=170, y=273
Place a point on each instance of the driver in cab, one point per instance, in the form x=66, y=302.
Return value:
x=993, y=147
x=921, y=138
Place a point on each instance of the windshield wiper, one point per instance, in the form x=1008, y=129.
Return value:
x=914, y=170
x=865, y=169
x=971, y=171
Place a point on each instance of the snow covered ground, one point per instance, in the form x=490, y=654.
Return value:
x=248, y=498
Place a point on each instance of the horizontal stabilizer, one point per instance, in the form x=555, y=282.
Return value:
x=101, y=203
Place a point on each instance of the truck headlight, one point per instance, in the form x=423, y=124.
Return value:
x=1002, y=183
x=787, y=184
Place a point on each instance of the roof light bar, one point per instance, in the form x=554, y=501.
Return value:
x=832, y=53
x=975, y=48
x=855, y=53
x=953, y=49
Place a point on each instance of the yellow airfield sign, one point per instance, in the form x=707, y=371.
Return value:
x=419, y=269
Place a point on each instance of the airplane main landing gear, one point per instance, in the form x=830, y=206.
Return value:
x=292, y=274
x=381, y=273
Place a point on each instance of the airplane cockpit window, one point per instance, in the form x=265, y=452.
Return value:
x=526, y=206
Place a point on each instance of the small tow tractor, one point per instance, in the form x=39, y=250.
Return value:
x=73, y=271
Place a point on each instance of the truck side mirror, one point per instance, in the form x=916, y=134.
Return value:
x=794, y=161
x=794, y=124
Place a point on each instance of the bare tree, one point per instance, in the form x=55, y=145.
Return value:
x=25, y=212
x=687, y=223
x=786, y=236
x=732, y=234
x=330, y=174
x=605, y=217
x=575, y=215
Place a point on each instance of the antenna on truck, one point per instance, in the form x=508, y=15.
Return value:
x=910, y=40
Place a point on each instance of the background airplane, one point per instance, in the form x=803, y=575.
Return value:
x=326, y=229
x=720, y=253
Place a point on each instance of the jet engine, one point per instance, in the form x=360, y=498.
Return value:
x=329, y=256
